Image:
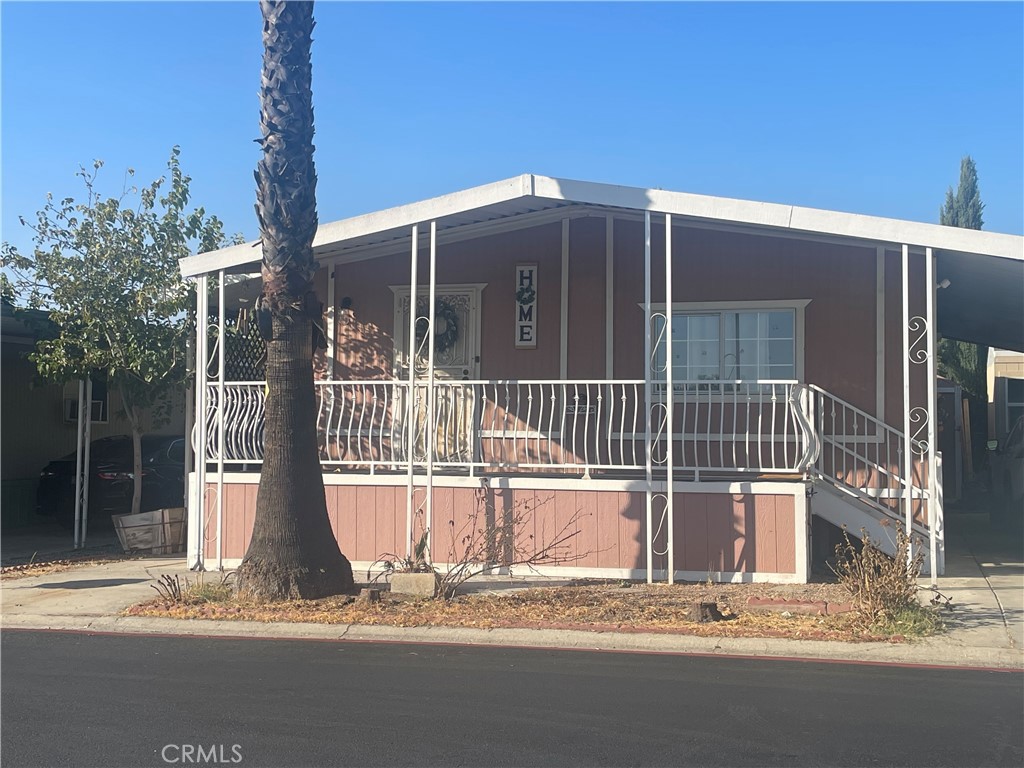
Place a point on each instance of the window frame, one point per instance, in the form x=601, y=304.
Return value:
x=1011, y=404
x=797, y=306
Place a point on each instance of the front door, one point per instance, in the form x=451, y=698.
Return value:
x=456, y=359
x=457, y=333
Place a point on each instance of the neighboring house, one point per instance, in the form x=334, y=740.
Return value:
x=798, y=361
x=1005, y=391
x=40, y=419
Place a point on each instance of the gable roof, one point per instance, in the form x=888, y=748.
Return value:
x=986, y=269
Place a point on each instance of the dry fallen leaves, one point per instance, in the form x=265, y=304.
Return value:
x=45, y=568
x=615, y=607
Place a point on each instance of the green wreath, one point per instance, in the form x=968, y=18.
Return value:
x=446, y=317
x=526, y=294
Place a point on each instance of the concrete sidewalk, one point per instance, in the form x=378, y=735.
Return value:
x=985, y=584
x=49, y=541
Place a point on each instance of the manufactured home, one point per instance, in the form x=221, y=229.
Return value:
x=697, y=385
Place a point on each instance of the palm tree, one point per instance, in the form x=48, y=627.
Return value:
x=293, y=552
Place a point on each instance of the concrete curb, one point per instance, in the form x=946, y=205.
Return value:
x=924, y=653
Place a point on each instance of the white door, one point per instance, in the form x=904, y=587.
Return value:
x=456, y=358
x=457, y=332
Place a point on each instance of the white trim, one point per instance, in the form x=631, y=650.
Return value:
x=197, y=515
x=403, y=290
x=802, y=532
x=462, y=232
x=933, y=512
x=648, y=405
x=685, y=205
x=563, y=348
x=632, y=574
x=782, y=216
x=670, y=553
x=908, y=458
x=722, y=305
x=637, y=485
x=429, y=433
x=880, y=333
x=609, y=297
x=410, y=406
x=221, y=408
x=544, y=217
x=330, y=324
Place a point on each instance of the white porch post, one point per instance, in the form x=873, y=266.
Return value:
x=609, y=297
x=197, y=497
x=79, y=451
x=647, y=395
x=563, y=333
x=934, y=510
x=190, y=422
x=411, y=402
x=670, y=396
x=86, y=449
x=429, y=426
x=908, y=456
x=331, y=324
x=220, y=418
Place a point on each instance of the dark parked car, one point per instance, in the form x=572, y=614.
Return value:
x=111, y=479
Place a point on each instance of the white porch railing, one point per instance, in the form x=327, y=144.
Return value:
x=864, y=457
x=537, y=426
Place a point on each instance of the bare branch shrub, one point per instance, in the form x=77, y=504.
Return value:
x=882, y=587
x=169, y=588
x=487, y=540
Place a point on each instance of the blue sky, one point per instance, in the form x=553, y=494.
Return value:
x=863, y=107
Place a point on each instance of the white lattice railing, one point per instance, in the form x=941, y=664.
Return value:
x=539, y=425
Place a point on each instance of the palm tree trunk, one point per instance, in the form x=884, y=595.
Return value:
x=293, y=552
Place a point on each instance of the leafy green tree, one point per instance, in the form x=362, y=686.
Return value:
x=959, y=361
x=105, y=270
x=293, y=552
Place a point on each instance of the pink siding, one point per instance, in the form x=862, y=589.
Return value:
x=366, y=341
x=586, y=353
x=713, y=531
x=711, y=266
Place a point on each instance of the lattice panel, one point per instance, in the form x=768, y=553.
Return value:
x=245, y=351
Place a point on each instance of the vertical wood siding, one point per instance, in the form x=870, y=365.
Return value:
x=715, y=532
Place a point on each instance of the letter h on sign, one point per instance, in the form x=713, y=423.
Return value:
x=526, y=306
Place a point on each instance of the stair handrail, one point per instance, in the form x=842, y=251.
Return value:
x=838, y=475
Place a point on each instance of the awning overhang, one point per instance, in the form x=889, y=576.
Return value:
x=984, y=301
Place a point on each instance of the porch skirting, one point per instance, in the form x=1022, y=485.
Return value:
x=748, y=531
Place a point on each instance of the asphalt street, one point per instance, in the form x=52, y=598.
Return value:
x=71, y=699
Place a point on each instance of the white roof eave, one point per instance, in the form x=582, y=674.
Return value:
x=682, y=204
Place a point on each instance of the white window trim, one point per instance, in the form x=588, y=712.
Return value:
x=797, y=305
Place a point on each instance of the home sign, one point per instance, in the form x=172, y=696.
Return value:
x=526, y=306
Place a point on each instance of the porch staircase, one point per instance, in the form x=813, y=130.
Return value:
x=858, y=478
